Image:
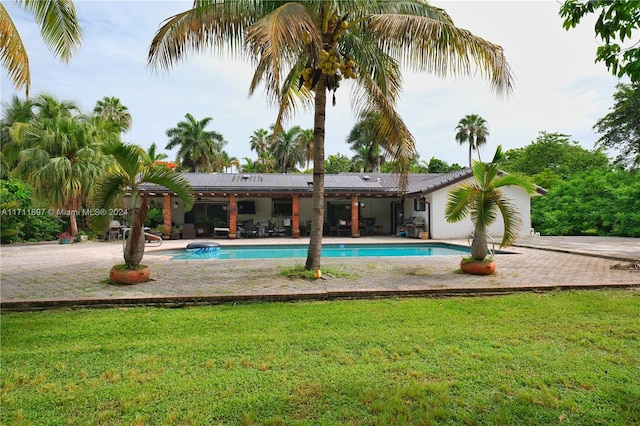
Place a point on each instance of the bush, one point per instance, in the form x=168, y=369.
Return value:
x=17, y=224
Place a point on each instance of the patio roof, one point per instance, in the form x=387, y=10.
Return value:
x=275, y=184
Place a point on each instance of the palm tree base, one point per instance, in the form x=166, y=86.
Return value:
x=478, y=267
x=120, y=274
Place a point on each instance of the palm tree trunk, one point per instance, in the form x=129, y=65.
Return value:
x=470, y=150
x=134, y=247
x=479, y=246
x=317, y=219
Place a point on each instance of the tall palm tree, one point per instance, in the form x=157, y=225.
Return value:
x=130, y=173
x=303, y=49
x=306, y=140
x=482, y=199
x=472, y=129
x=60, y=30
x=197, y=146
x=111, y=110
x=364, y=139
x=287, y=149
x=58, y=154
x=259, y=141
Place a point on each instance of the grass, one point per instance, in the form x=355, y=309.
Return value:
x=561, y=357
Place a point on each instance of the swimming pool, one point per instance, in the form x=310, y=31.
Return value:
x=328, y=250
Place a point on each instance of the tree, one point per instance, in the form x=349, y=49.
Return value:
x=197, y=146
x=58, y=155
x=617, y=20
x=338, y=163
x=305, y=48
x=591, y=202
x=130, y=173
x=114, y=114
x=621, y=127
x=60, y=31
x=436, y=165
x=288, y=149
x=551, y=158
x=306, y=140
x=482, y=199
x=472, y=130
x=15, y=111
x=224, y=162
x=152, y=156
x=17, y=195
x=259, y=141
x=364, y=139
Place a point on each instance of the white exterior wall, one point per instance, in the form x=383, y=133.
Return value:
x=441, y=229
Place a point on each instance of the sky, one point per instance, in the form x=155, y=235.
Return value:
x=558, y=86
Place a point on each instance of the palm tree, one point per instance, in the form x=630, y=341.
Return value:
x=259, y=141
x=111, y=110
x=15, y=111
x=287, y=149
x=306, y=140
x=472, y=129
x=132, y=171
x=305, y=48
x=364, y=139
x=482, y=199
x=152, y=156
x=197, y=145
x=58, y=154
x=60, y=30
x=225, y=162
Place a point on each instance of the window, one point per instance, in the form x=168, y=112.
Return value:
x=419, y=204
x=246, y=207
x=282, y=207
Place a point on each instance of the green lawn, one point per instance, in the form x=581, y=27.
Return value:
x=556, y=358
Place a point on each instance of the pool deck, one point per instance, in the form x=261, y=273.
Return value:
x=51, y=275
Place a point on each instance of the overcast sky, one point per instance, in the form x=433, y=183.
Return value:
x=558, y=87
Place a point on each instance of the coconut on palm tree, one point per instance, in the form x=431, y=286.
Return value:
x=482, y=200
x=60, y=30
x=472, y=130
x=130, y=171
x=304, y=49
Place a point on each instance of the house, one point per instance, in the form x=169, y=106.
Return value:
x=356, y=204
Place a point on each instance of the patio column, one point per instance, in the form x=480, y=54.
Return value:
x=295, y=210
x=355, y=220
x=233, y=217
x=166, y=213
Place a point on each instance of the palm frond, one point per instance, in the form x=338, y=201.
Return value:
x=171, y=180
x=128, y=157
x=208, y=24
x=511, y=219
x=439, y=47
x=275, y=41
x=13, y=53
x=459, y=203
x=516, y=180
x=58, y=24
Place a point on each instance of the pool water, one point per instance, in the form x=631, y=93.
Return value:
x=328, y=250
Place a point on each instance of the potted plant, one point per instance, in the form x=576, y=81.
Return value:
x=128, y=173
x=64, y=238
x=481, y=200
x=175, y=233
x=82, y=236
